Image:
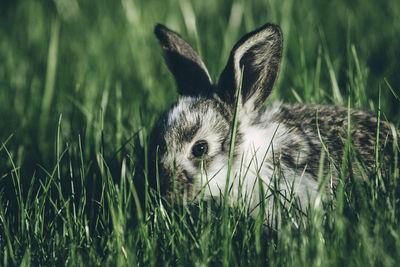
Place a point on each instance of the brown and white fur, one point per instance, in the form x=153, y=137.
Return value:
x=284, y=135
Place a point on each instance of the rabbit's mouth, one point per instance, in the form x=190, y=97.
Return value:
x=176, y=186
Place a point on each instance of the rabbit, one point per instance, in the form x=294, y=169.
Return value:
x=280, y=146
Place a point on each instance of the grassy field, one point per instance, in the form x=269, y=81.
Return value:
x=82, y=83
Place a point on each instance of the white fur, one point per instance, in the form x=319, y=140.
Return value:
x=182, y=107
x=254, y=163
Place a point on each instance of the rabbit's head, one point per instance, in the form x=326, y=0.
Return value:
x=189, y=145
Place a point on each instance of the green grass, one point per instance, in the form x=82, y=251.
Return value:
x=82, y=83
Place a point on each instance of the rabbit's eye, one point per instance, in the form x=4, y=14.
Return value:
x=200, y=148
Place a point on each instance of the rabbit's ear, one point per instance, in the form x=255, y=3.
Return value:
x=190, y=73
x=258, y=54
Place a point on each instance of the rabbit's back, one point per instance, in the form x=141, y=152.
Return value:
x=313, y=128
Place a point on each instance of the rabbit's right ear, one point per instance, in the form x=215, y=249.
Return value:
x=189, y=71
x=258, y=54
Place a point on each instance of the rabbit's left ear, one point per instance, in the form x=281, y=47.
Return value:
x=190, y=73
x=258, y=54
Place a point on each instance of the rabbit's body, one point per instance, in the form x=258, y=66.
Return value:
x=278, y=149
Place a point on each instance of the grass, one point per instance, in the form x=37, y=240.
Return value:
x=82, y=83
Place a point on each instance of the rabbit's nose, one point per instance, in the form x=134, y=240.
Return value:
x=176, y=184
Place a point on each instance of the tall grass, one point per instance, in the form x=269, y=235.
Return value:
x=82, y=83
